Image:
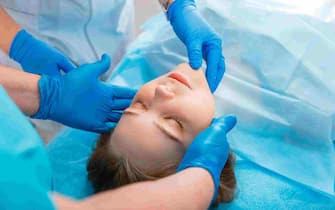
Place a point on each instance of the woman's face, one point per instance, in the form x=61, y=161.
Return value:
x=164, y=117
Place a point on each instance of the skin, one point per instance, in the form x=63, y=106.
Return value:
x=8, y=30
x=169, y=2
x=163, y=119
x=194, y=184
x=22, y=87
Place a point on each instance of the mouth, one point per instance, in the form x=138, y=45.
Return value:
x=180, y=78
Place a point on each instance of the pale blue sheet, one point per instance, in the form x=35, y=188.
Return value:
x=260, y=188
x=280, y=84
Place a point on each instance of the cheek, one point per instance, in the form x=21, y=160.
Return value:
x=200, y=108
x=157, y=154
x=200, y=112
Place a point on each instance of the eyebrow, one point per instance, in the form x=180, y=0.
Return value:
x=159, y=126
x=167, y=132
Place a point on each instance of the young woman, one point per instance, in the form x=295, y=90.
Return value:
x=154, y=132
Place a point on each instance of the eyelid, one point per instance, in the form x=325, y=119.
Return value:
x=140, y=102
x=180, y=124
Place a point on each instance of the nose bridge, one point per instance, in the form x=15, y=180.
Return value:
x=164, y=92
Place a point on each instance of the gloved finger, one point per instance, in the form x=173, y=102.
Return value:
x=194, y=50
x=226, y=123
x=114, y=116
x=213, y=58
x=120, y=104
x=101, y=66
x=124, y=92
x=66, y=64
x=220, y=72
x=107, y=127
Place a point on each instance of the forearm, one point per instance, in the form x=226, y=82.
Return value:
x=22, y=87
x=8, y=30
x=189, y=189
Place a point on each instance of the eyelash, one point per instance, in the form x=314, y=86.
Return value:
x=177, y=121
x=141, y=103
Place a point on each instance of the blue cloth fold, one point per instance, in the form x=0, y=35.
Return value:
x=69, y=153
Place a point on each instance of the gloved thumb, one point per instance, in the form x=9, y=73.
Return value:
x=101, y=66
x=226, y=123
x=194, y=50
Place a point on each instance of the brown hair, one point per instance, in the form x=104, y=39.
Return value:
x=106, y=171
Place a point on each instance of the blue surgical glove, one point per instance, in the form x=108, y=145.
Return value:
x=37, y=57
x=210, y=150
x=200, y=39
x=79, y=99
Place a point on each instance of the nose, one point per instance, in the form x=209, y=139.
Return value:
x=164, y=92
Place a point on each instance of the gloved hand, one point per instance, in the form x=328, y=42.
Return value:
x=37, y=57
x=200, y=39
x=210, y=149
x=79, y=99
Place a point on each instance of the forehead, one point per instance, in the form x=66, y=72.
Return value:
x=142, y=142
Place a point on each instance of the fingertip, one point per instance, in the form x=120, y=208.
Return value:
x=226, y=122
x=101, y=66
x=194, y=50
x=214, y=120
x=108, y=127
x=132, y=92
x=212, y=83
x=114, y=116
x=218, y=77
x=124, y=92
x=196, y=63
x=212, y=87
x=118, y=105
x=230, y=122
x=105, y=58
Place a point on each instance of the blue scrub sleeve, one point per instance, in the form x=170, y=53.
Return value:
x=20, y=187
x=25, y=176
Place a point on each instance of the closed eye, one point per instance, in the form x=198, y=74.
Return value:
x=179, y=123
x=175, y=121
x=139, y=105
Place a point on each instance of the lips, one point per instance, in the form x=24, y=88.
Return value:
x=180, y=78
